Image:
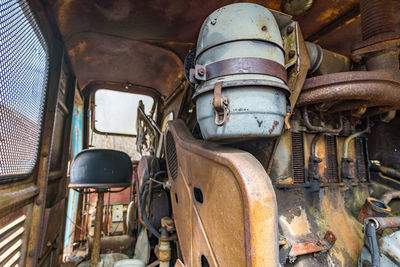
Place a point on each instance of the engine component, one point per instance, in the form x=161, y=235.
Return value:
x=391, y=172
x=373, y=207
x=323, y=61
x=163, y=249
x=239, y=70
x=390, y=246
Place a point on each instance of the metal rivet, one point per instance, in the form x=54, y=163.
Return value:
x=31, y=254
x=289, y=29
x=292, y=53
x=38, y=202
x=264, y=28
x=45, y=154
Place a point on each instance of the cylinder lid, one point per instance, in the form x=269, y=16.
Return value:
x=240, y=21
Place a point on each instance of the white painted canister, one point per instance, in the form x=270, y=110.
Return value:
x=255, y=100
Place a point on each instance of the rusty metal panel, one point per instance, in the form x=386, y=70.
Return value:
x=224, y=204
x=13, y=236
x=51, y=226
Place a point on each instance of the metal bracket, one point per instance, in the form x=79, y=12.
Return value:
x=314, y=247
x=221, y=109
x=197, y=74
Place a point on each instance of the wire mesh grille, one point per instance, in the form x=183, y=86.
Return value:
x=23, y=78
x=361, y=165
x=298, y=158
x=172, y=160
x=331, y=173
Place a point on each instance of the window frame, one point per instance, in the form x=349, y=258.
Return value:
x=91, y=90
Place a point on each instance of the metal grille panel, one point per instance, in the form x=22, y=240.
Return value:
x=172, y=160
x=11, y=239
x=23, y=78
x=361, y=166
x=298, y=158
x=332, y=173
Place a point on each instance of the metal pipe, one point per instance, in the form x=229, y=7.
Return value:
x=378, y=88
x=314, y=144
x=163, y=250
x=351, y=137
x=320, y=128
x=393, y=173
x=383, y=223
x=388, y=196
x=97, y=229
x=313, y=160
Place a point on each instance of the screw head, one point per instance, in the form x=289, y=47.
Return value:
x=200, y=71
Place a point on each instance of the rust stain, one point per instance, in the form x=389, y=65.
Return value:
x=328, y=15
x=346, y=228
x=273, y=127
x=298, y=225
x=78, y=49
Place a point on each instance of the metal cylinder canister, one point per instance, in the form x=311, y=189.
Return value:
x=239, y=69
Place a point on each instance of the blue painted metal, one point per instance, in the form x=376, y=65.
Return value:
x=73, y=196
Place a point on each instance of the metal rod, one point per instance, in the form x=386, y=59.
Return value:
x=97, y=229
x=385, y=222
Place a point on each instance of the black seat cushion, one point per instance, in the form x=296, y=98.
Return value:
x=100, y=168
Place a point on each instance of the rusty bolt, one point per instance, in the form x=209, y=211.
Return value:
x=38, y=202
x=264, y=28
x=292, y=53
x=200, y=71
x=289, y=29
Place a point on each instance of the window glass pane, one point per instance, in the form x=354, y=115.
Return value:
x=116, y=112
x=23, y=80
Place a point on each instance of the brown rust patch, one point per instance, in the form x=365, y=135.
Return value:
x=327, y=15
x=346, y=228
x=273, y=126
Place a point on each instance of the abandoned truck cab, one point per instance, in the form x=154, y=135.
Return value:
x=199, y=133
